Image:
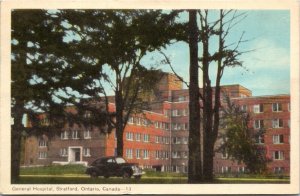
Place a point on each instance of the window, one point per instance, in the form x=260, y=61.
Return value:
x=138, y=153
x=138, y=121
x=129, y=136
x=64, y=135
x=175, y=154
x=167, y=140
x=277, y=139
x=146, y=138
x=175, y=126
x=241, y=169
x=87, y=114
x=156, y=139
x=42, y=143
x=181, y=98
x=184, y=112
x=75, y=134
x=167, y=126
x=160, y=125
x=146, y=154
x=185, y=126
x=63, y=152
x=226, y=169
x=258, y=124
x=45, y=121
x=86, y=152
x=174, y=112
x=145, y=122
x=278, y=155
x=185, y=140
x=184, y=154
x=243, y=108
x=260, y=139
x=129, y=153
x=277, y=123
x=130, y=120
x=185, y=169
x=156, y=124
x=276, y=107
x=157, y=154
x=167, y=112
x=224, y=154
x=176, y=140
x=167, y=155
x=278, y=170
x=176, y=168
x=43, y=155
x=289, y=123
x=258, y=108
x=138, y=137
x=87, y=134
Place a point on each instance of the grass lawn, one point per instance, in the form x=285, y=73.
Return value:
x=74, y=174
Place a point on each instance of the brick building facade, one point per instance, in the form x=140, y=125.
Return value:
x=158, y=138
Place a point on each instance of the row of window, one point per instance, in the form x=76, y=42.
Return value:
x=276, y=123
x=146, y=138
x=145, y=122
x=158, y=154
x=64, y=152
x=179, y=140
x=176, y=112
x=179, y=154
x=145, y=154
x=259, y=108
x=43, y=143
x=277, y=139
x=75, y=134
x=180, y=126
x=227, y=169
x=276, y=155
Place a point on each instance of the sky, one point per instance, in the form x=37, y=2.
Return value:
x=266, y=68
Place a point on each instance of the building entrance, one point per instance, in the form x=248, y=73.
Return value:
x=75, y=154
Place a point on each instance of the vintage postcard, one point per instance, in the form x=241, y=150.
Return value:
x=149, y=97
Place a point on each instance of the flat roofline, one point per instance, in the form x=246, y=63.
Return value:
x=229, y=85
x=262, y=96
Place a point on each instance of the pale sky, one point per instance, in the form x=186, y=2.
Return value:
x=268, y=66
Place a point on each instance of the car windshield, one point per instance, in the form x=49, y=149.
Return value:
x=120, y=160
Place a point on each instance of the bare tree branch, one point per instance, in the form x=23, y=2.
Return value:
x=167, y=60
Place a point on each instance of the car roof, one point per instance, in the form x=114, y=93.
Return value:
x=110, y=157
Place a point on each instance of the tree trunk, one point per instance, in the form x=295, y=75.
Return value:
x=208, y=151
x=16, y=132
x=119, y=122
x=208, y=158
x=195, y=168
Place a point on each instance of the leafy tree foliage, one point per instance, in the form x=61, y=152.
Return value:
x=61, y=59
x=44, y=78
x=115, y=41
x=240, y=140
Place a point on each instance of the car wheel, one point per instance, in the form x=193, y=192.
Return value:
x=137, y=177
x=94, y=174
x=126, y=174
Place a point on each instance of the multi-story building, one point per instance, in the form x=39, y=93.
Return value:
x=158, y=138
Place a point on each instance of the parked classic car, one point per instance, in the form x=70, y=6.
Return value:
x=114, y=166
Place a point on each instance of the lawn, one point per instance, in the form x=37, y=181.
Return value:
x=74, y=174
